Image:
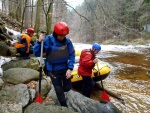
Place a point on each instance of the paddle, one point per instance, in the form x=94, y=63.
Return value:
x=39, y=98
x=104, y=95
x=111, y=93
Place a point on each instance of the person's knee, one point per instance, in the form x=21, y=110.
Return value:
x=60, y=93
x=93, y=84
x=58, y=89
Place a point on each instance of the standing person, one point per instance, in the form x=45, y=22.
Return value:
x=86, y=64
x=60, y=58
x=25, y=43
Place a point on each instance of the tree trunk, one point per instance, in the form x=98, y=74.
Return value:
x=38, y=16
x=49, y=18
x=3, y=6
x=32, y=13
x=23, y=15
x=27, y=14
x=19, y=10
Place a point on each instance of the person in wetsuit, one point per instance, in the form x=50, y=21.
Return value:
x=60, y=58
x=25, y=44
x=86, y=64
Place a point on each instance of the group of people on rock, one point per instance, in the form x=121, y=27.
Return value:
x=60, y=58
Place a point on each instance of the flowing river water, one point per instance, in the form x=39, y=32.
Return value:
x=129, y=65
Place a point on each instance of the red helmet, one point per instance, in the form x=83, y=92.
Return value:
x=61, y=28
x=30, y=30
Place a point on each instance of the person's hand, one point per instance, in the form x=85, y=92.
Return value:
x=68, y=74
x=41, y=37
x=95, y=60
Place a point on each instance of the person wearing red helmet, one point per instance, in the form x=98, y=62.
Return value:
x=60, y=58
x=24, y=44
x=86, y=64
x=61, y=28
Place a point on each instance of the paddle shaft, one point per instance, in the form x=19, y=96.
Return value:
x=102, y=84
x=39, y=98
x=41, y=60
x=104, y=95
x=98, y=75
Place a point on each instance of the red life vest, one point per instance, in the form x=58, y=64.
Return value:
x=86, y=63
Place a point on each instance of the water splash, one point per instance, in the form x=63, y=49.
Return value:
x=4, y=60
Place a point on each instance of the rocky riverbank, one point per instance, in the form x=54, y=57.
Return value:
x=129, y=41
x=19, y=88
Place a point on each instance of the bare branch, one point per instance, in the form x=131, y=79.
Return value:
x=79, y=13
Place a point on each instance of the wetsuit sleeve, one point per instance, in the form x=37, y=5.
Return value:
x=71, y=50
x=37, y=47
x=87, y=60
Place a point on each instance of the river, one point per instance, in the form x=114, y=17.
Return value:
x=129, y=65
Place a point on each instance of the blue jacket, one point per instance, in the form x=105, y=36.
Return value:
x=52, y=45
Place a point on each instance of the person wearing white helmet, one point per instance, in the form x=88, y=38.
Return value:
x=86, y=64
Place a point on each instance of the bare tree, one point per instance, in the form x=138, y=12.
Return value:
x=38, y=16
x=3, y=5
x=48, y=10
x=27, y=14
x=19, y=10
x=60, y=11
x=32, y=11
x=23, y=15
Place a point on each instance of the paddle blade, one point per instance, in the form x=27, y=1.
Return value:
x=39, y=99
x=104, y=96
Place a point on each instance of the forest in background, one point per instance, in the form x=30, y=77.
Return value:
x=92, y=21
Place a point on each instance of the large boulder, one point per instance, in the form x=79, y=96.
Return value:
x=4, y=49
x=20, y=75
x=10, y=108
x=17, y=94
x=81, y=104
x=12, y=52
x=32, y=63
x=44, y=108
